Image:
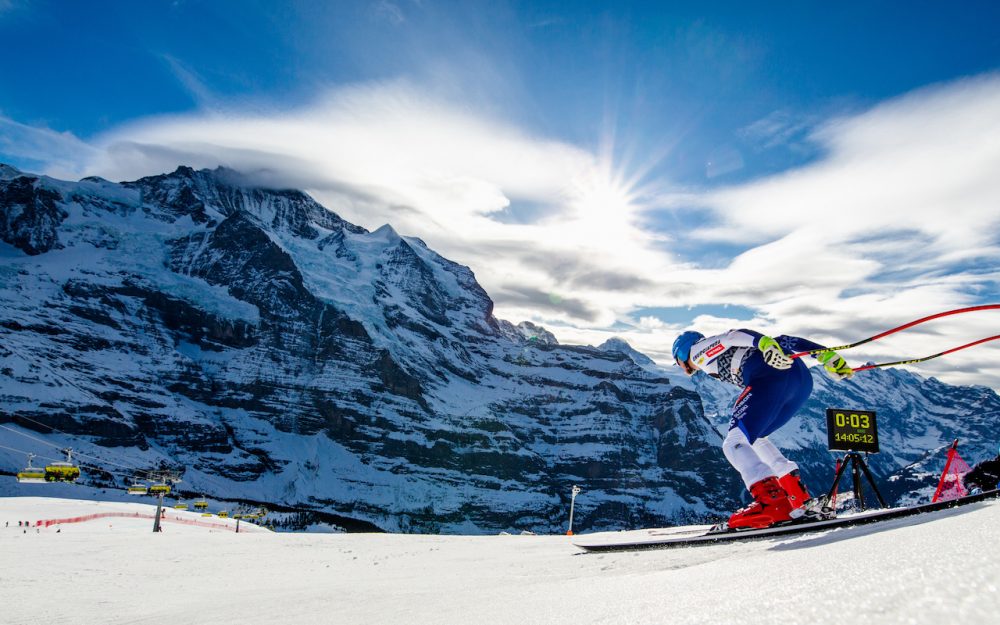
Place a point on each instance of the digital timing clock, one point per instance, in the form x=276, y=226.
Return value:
x=851, y=430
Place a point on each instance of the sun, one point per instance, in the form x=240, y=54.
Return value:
x=602, y=203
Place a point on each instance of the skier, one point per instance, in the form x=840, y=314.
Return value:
x=774, y=388
x=984, y=476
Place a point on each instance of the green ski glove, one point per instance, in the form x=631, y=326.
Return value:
x=772, y=353
x=835, y=365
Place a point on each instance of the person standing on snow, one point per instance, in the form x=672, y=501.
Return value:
x=775, y=387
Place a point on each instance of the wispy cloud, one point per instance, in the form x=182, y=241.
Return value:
x=780, y=128
x=191, y=82
x=58, y=153
x=388, y=11
x=897, y=219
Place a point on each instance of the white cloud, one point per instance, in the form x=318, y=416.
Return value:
x=62, y=153
x=651, y=323
x=925, y=161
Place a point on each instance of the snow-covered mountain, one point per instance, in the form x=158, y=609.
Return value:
x=271, y=351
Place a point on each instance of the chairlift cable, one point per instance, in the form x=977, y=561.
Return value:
x=31, y=437
x=76, y=453
x=91, y=465
x=28, y=453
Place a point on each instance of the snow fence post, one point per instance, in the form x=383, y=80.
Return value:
x=572, y=501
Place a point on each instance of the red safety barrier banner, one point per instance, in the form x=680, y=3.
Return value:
x=141, y=515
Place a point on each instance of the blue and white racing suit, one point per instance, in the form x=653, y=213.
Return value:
x=770, y=397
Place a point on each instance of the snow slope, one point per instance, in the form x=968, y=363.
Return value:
x=941, y=569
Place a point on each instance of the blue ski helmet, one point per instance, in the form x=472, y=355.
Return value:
x=683, y=343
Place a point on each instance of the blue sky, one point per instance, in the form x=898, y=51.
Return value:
x=676, y=76
x=604, y=168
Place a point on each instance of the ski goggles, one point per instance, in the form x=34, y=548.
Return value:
x=688, y=369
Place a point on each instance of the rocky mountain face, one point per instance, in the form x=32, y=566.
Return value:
x=270, y=351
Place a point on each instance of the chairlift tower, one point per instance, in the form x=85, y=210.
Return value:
x=165, y=479
x=241, y=511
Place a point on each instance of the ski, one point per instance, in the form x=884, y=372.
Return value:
x=694, y=535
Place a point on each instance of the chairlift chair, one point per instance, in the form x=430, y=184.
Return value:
x=160, y=488
x=62, y=471
x=30, y=474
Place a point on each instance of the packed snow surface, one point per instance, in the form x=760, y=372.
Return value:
x=939, y=568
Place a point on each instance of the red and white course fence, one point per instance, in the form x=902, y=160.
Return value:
x=141, y=515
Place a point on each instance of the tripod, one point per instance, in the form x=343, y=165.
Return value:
x=857, y=466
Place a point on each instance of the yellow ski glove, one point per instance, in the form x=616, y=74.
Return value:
x=835, y=365
x=773, y=355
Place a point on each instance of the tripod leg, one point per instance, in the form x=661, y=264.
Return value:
x=871, y=481
x=859, y=500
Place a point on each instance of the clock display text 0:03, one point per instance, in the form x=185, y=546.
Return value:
x=861, y=421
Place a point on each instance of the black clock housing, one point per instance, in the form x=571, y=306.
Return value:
x=851, y=430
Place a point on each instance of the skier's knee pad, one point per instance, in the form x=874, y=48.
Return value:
x=734, y=439
x=740, y=453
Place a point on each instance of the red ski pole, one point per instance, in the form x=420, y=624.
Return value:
x=909, y=325
x=910, y=362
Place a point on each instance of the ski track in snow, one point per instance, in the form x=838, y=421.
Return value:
x=940, y=569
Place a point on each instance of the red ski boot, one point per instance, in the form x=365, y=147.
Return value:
x=770, y=505
x=796, y=489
